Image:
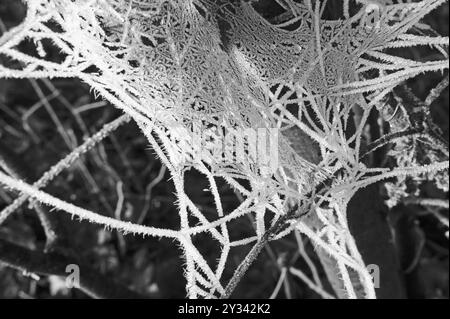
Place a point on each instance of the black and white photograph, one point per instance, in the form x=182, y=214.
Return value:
x=224, y=154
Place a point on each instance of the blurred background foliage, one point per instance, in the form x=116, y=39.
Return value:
x=41, y=121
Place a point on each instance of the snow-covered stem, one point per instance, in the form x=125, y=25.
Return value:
x=65, y=163
x=84, y=214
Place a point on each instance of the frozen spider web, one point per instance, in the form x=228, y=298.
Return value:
x=177, y=66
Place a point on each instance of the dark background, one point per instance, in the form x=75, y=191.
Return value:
x=36, y=132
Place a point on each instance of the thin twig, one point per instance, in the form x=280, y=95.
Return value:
x=253, y=255
x=82, y=213
x=434, y=202
x=66, y=162
x=389, y=138
x=17, y=168
x=437, y=91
